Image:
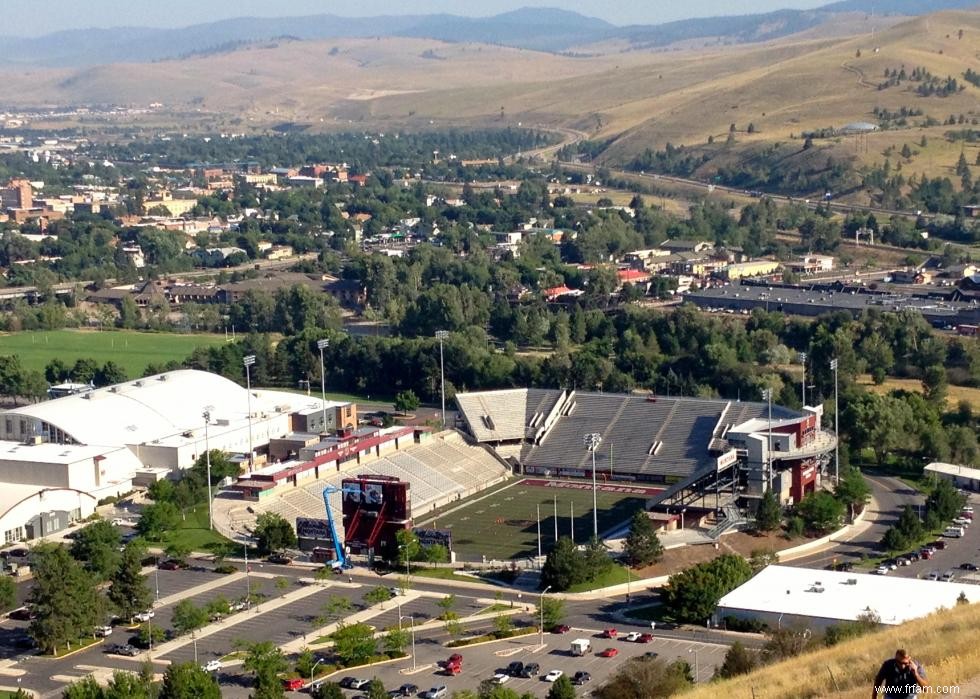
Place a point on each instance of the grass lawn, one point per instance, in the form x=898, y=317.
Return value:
x=340, y=397
x=129, y=349
x=616, y=575
x=193, y=533
x=440, y=573
x=650, y=612
x=502, y=525
x=77, y=646
x=954, y=394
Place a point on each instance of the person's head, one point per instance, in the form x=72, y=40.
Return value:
x=903, y=658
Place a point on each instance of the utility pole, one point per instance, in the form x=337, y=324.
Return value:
x=442, y=335
x=767, y=395
x=541, y=612
x=802, y=357
x=207, y=457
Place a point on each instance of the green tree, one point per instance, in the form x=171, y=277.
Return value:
x=853, y=490
x=552, y=610
x=561, y=688
x=769, y=514
x=945, y=501
x=502, y=624
x=178, y=551
x=127, y=685
x=354, y=644
x=694, y=593
x=739, y=660
x=376, y=689
x=188, y=617
x=563, y=567
x=935, y=384
x=156, y=519
x=218, y=607
x=395, y=641
x=97, y=548
x=336, y=608
x=760, y=558
x=8, y=593
x=446, y=604
x=265, y=661
x=188, y=681
x=305, y=662
x=645, y=679
x=85, y=688
x=64, y=597
x=406, y=401
x=408, y=546
x=642, y=546
x=148, y=630
x=329, y=690
x=273, y=533
x=129, y=592
x=821, y=511
x=377, y=595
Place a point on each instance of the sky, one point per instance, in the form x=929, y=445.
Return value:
x=37, y=17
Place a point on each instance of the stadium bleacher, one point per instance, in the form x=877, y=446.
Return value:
x=440, y=470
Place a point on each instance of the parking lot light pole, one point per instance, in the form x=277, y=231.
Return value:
x=194, y=639
x=411, y=620
x=541, y=612
x=322, y=345
x=156, y=580
x=767, y=396
x=696, y=668
x=833, y=367
x=248, y=362
x=802, y=357
x=313, y=670
x=592, y=443
x=207, y=457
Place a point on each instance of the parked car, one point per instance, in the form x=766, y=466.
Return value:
x=933, y=575
x=211, y=666
x=890, y=563
x=948, y=576
x=359, y=683
x=967, y=508
x=609, y=653
x=103, y=631
x=515, y=669
x=926, y=554
x=501, y=678
x=914, y=556
x=608, y=633
x=406, y=690
x=435, y=692
x=968, y=566
x=531, y=670
x=23, y=614
x=633, y=636
x=238, y=605
x=645, y=638
x=553, y=676
x=348, y=682
x=291, y=684
x=123, y=649
x=882, y=570
x=145, y=616
x=963, y=521
x=560, y=628
x=170, y=564
x=581, y=677
x=279, y=559
x=939, y=545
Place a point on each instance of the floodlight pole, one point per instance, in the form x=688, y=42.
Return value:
x=539, y=531
x=802, y=357
x=592, y=443
x=834, y=368
x=442, y=335
x=248, y=362
x=321, y=345
x=767, y=476
x=541, y=612
x=411, y=620
x=207, y=457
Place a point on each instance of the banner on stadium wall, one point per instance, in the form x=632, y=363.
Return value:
x=316, y=529
x=431, y=537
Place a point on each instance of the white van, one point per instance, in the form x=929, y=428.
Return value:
x=954, y=532
x=581, y=646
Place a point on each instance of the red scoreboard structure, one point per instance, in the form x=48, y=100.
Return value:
x=375, y=509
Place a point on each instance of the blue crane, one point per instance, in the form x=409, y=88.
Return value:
x=340, y=556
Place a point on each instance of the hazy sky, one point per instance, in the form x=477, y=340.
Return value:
x=35, y=17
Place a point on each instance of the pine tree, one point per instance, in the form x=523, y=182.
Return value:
x=128, y=591
x=642, y=546
x=769, y=514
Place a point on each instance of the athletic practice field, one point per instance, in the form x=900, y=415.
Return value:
x=503, y=524
x=129, y=349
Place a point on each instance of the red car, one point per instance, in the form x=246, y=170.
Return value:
x=645, y=638
x=926, y=554
x=292, y=684
x=561, y=628
x=608, y=633
x=609, y=653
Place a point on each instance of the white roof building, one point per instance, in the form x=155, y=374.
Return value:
x=92, y=445
x=785, y=596
x=960, y=476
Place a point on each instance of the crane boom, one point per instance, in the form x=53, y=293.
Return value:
x=340, y=556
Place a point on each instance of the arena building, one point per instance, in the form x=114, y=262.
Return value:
x=58, y=458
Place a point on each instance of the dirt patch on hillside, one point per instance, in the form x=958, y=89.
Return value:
x=740, y=542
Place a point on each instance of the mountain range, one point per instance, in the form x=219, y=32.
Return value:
x=542, y=29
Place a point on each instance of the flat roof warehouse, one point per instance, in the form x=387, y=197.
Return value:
x=782, y=595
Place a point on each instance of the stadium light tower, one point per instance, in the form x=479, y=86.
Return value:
x=767, y=396
x=322, y=345
x=207, y=459
x=248, y=361
x=441, y=335
x=591, y=441
x=802, y=357
x=833, y=368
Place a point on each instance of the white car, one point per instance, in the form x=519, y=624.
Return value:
x=103, y=631
x=633, y=636
x=145, y=616
x=962, y=521
x=211, y=666
x=553, y=676
x=882, y=570
x=501, y=678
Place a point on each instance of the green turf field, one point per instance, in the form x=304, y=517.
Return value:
x=503, y=524
x=129, y=349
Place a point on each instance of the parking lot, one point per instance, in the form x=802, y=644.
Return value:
x=957, y=551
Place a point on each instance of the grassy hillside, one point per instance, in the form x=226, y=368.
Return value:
x=944, y=642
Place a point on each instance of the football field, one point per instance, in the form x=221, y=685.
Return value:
x=503, y=524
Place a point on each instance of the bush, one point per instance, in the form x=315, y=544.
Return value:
x=226, y=569
x=734, y=623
